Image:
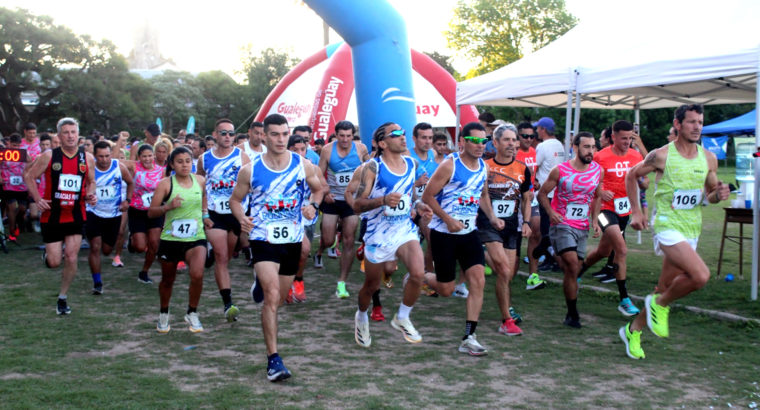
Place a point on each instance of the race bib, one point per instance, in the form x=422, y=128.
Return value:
x=184, y=228
x=577, y=212
x=419, y=190
x=106, y=192
x=343, y=178
x=504, y=208
x=147, y=198
x=222, y=206
x=281, y=232
x=70, y=183
x=686, y=198
x=468, y=224
x=16, y=180
x=403, y=207
x=622, y=205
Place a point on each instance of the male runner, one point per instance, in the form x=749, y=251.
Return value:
x=527, y=155
x=276, y=181
x=441, y=147
x=549, y=153
x=15, y=193
x=69, y=182
x=104, y=218
x=254, y=147
x=685, y=172
x=152, y=132
x=577, y=183
x=220, y=167
x=425, y=156
x=386, y=193
x=338, y=160
x=509, y=189
x=615, y=160
x=455, y=192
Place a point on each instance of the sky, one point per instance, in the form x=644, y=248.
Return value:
x=212, y=35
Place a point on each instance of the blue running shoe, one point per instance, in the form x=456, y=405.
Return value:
x=276, y=370
x=627, y=307
x=257, y=293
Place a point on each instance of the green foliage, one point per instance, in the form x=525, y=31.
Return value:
x=224, y=98
x=445, y=62
x=498, y=32
x=263, y=72
x=177, y=96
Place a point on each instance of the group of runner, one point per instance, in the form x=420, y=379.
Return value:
x=265, y=195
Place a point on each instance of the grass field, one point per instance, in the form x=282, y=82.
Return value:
x=108, y=354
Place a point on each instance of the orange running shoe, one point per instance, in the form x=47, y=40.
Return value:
x=297, y=291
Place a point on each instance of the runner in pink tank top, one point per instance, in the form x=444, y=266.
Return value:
x=146, y=181
x=577, y=192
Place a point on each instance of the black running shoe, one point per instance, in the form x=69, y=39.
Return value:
x=608, y=278
x=143, y=277
x=606, y=270
x=257, y=293
x=62, y=308
x=574, y=323
x=97, y=289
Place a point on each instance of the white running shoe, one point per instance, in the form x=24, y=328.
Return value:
x=163, y=323
x=406, y=327
x=461, y=291
x=194, y=321
x=471, y=346
x=331, y=253
x=318, y=261
x=361, y=332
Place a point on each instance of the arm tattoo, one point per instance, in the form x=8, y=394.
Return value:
x=370, y=166
x=651, y=159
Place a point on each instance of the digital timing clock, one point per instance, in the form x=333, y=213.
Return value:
x=12, y=155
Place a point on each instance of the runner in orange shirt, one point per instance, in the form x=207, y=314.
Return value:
x=616, y=159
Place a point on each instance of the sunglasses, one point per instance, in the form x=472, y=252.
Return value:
x=396, y=134
x=225, y=133
x=531, y=136
x=476, y=140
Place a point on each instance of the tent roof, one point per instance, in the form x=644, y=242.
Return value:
x=711, y=58
x=744, y=123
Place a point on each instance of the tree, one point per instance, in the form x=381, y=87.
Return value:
x=264, y=72
x=498, y=32
x=445, y=62
x=177, y=95
x=224, y=98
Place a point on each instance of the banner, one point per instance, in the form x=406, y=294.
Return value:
x=716, y=145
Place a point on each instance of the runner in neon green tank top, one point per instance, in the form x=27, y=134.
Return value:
x=182, y=199
x=686, y=174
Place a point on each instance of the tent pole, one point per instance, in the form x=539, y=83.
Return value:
x=637, y=121
x=569, y=111
x=456, y=127
x=577, y=114
x=756, y=199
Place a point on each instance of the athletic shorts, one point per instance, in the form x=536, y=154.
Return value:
x=175, y=251
x=20, y=197
x=565, y=238
x=386, y=251
x=54, y=232
x=288, y=255
x=140, y=223
x=308, y=230
x=225, y=222
x=106, y=228
x=448, y=249
x=339, y=208
x=534, y=211
x=610, y=218
x=508, y=237
x=670, y=238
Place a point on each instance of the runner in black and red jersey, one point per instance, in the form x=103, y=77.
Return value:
x=70, y=181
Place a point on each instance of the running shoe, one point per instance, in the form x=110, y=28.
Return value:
x=488, y=271
x=627, y=307
x=340, y=290
x=360, y=252
x=276, y=370
x=377, y=314
x=44, y=259
x=62, y=308
x=257, y=293
x=657, y=316
x=143, y=277
x=163, y=323
x=574, y=323
x=534, y=282
x=181, y=265
x=387, y=280
x=209, y=256
x=318, y=261
x=509, y=328
x=194, y=321
x=299, y=293
x=231, y=312
x=607, y=269
x=471, y=346
x=546, y=266
x=97, y=289
x=361, y=332
x=428, y=291
x=12, y=238
x=526, y=260
x=608, y=278
x=516, y=316
x=36, y=226
x=632, y=342
x=461, y=291
x=117, y=263
x=332, y=253
x=289, y=298
x=406, y=327
x=361, y=266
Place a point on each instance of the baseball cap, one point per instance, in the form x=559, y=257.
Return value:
x=153, y=130
x=545, y=122
x=498, y=122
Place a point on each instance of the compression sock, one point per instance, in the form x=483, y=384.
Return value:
x=191, y=309
x=226, y=296
x=96, y=278
x=622, y=288
x=572, y=308
x=469, y=328
x=376, y=298
x=164, y=310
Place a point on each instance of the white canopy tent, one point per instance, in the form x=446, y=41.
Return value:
x=653, y=55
